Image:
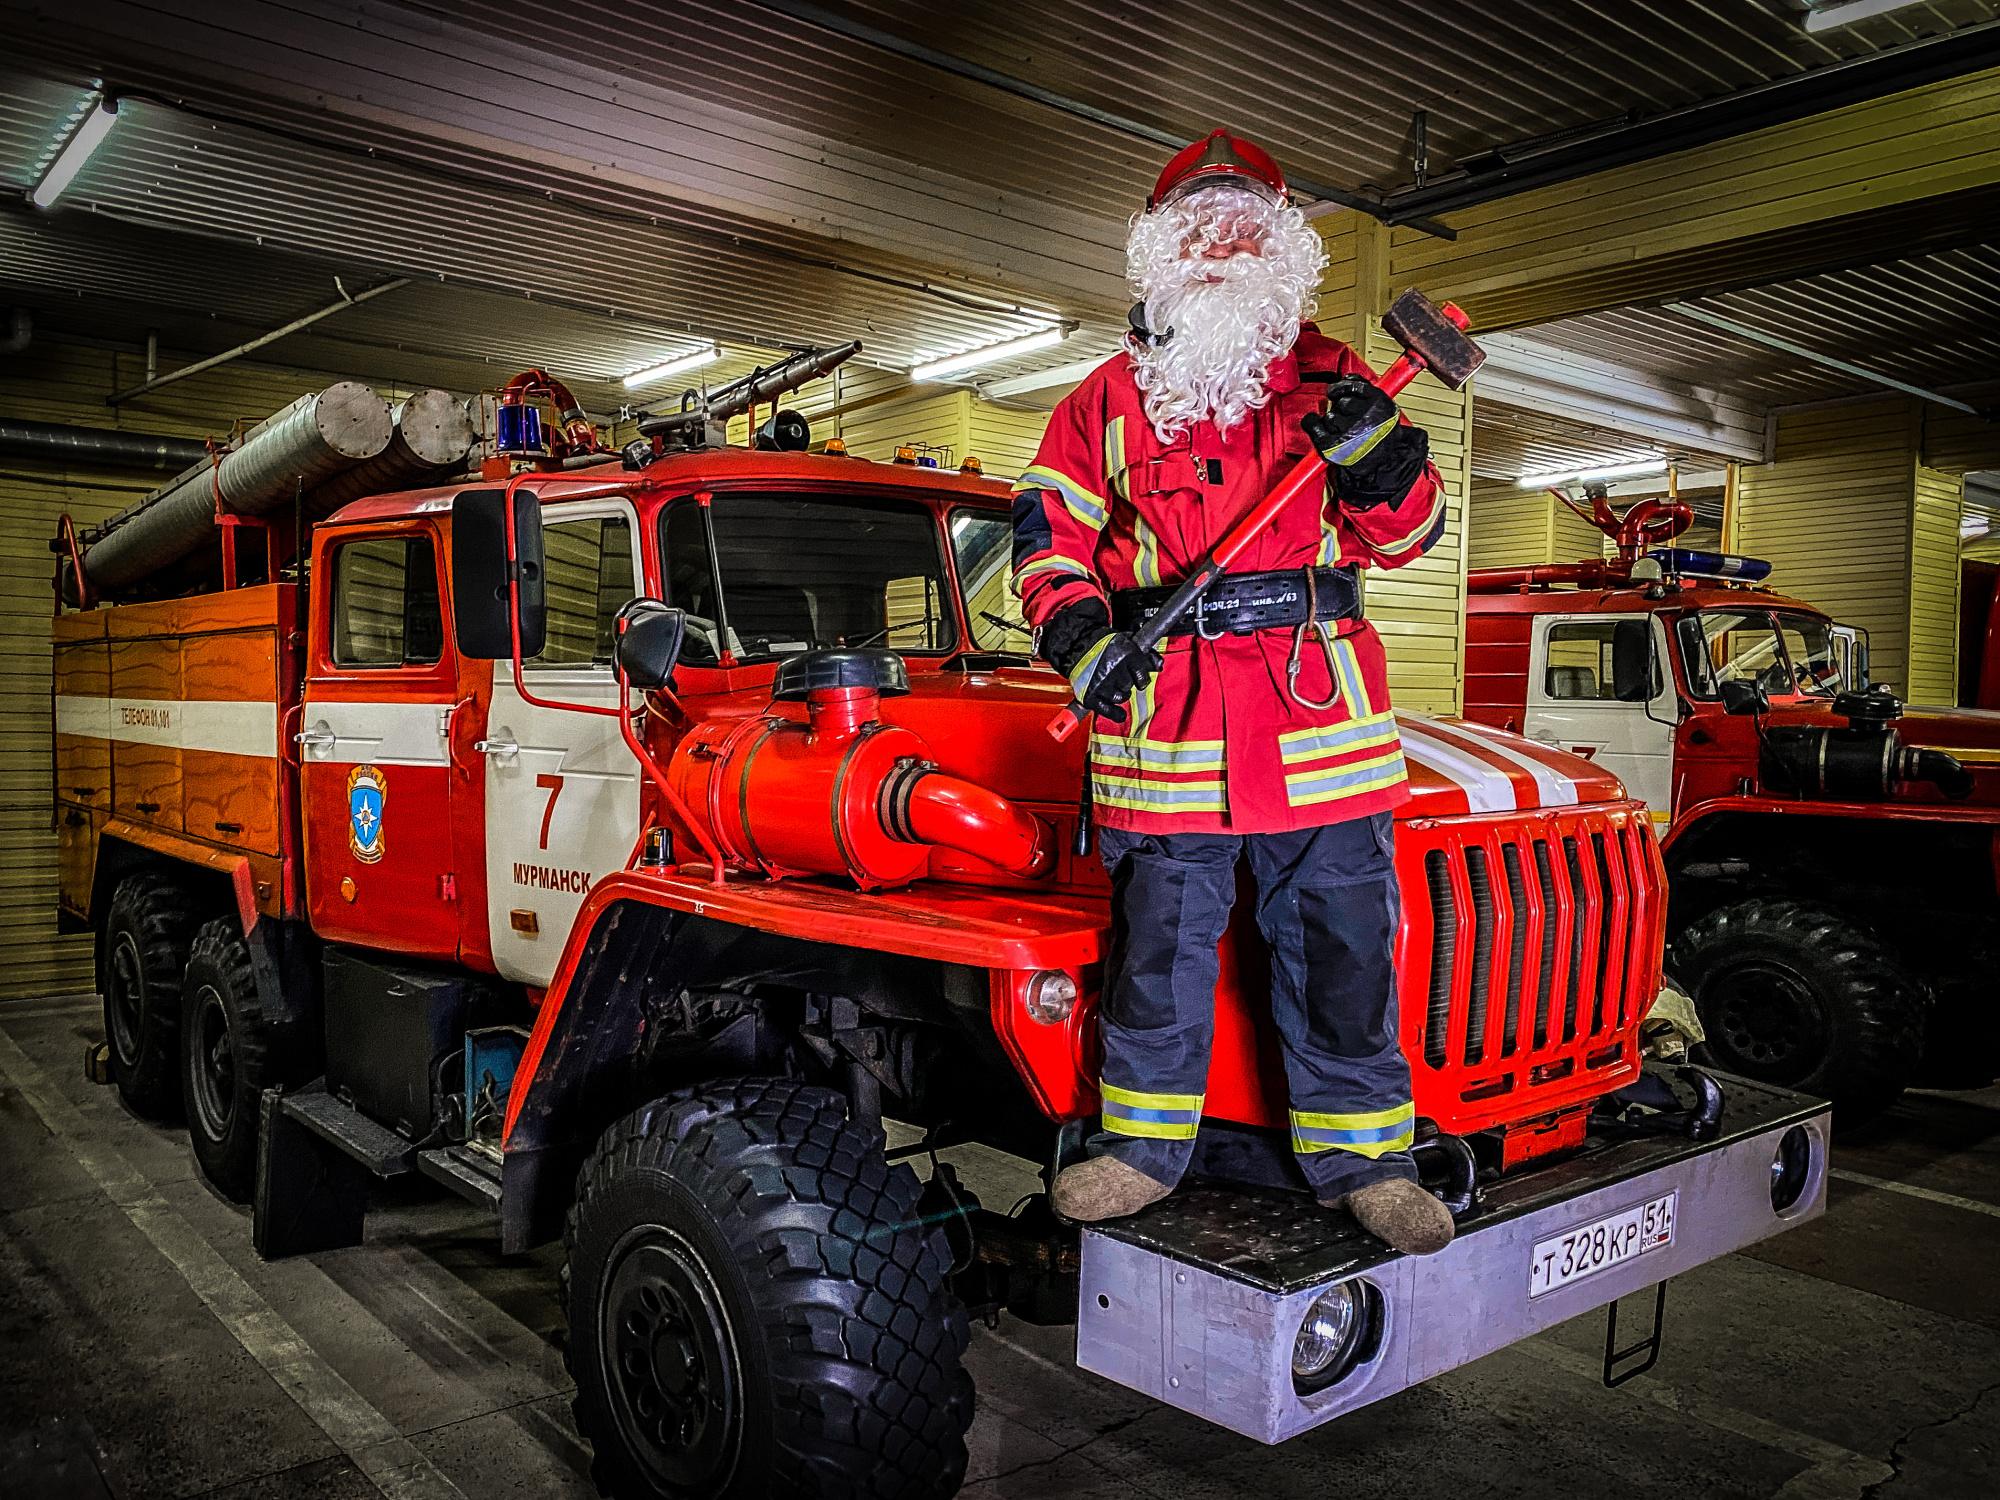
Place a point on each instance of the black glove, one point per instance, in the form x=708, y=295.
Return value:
x=1356, y=407
x=1373, y=455
x=1071, y=642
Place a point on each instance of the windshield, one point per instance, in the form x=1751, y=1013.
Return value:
x=1785, y=654
x=982, y=544
x=803, y=574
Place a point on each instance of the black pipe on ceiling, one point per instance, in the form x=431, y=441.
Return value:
x=98, y=446
x=1507, y=170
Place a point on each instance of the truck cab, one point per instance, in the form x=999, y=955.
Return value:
x=1828, y=911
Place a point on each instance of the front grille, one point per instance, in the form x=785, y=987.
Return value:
x=1561, y=907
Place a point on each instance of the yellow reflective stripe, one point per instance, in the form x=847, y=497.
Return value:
x=1329, y=543
x=1336, y=739
x=1163, y=797
x=1160, y=1117
x=1087, y=506
x=1368, y=1134
x=1050, y=565
x=1146, y=564
x=1134, y=1097
x=1159, y=755
x=1304, y=788
x=1080, y=674
x=1351, y=681
x=1114, y=458
x=1394, y=549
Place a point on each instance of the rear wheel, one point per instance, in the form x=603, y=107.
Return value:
x=1799, y=996
x=757, y=1309
x=226, y=1057
x=140, y=960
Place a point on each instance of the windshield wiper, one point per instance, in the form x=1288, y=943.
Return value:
x=1006, y=624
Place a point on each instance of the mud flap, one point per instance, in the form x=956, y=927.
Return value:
x=310, y=1195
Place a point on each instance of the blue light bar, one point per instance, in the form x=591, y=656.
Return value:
x=1677, y=560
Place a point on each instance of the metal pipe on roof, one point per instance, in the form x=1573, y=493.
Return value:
x=347, y=301
x=310, y=441
x=97, y=446
x=433, y=433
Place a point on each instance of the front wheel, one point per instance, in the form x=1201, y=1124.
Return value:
x=756, y=1307
x=1799, y=996
x=226, y=1057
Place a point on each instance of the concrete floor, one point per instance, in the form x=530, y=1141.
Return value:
x=146, y=1351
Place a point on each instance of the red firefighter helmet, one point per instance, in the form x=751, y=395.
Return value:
x=1219, y=157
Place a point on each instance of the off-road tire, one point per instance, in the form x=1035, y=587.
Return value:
x=140, y=961
x=1800, y=996
x=226, y=1054
x=815, y=1302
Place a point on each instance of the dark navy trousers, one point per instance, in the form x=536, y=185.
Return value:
x=1328, y=906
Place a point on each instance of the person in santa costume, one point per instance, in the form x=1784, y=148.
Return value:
x=1262, y=727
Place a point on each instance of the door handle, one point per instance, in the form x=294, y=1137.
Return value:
x=501, y=748
x=314, y=738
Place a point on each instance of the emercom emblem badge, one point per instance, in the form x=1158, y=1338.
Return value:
x=367, y=796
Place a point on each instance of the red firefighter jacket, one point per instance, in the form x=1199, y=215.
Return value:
x=1215, y=743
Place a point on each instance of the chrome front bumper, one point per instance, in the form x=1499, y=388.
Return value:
x=1197, y=1301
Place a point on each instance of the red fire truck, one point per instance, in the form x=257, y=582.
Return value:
x=617, y=845
x=1832, y=854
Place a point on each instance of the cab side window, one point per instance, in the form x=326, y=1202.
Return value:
x=589, y=579
x=386, y=610
x=1602, y=661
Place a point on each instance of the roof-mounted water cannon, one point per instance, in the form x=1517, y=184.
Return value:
x=1651, y=521
x=703, y=418
x=518, y=424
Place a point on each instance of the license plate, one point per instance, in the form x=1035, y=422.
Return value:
x=1598, y=1246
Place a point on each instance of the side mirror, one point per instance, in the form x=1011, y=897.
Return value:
x=1635, y=670
x=479, y=574
x=1745, y=698
x=649, y=641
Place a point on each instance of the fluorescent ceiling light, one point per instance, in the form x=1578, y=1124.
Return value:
x=1824, y=17
x=75, y=152
x=1616, y=471
x=692, y=361
x=937, y=369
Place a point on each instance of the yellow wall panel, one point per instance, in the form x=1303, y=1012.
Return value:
x=1934, y=578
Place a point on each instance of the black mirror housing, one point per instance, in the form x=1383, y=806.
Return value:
x=1635, y=669
x=479, y=575
x=1744, y=698
x=649, y=641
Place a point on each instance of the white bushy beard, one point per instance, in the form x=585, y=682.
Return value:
x=1226, y=332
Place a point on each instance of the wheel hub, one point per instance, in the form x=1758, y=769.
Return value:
x=127, y=994
x=671, y=1364
x=1769, y=1021
x=215, y=1074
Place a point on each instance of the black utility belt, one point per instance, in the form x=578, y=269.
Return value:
x=1238, y=603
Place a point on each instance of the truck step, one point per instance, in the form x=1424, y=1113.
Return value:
x=380, y=1150
x=472, y=1176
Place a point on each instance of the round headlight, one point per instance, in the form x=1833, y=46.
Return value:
x=1791, y=1168
x=1051, y=996
x=1335, y=1335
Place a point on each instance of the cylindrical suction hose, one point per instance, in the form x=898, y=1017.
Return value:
x=927, y=807
x=311, y=440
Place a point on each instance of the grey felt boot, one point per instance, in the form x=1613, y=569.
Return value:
x=1402, y=1215
x=1104, y=1188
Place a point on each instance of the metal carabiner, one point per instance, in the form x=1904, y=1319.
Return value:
x=1313, y=623
x=1201, y=614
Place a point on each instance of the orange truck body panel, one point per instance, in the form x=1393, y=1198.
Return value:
x=169, y=733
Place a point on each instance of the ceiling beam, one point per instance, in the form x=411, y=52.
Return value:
x=1538, y=377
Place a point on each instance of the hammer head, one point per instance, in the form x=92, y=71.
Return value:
x=1419, y=325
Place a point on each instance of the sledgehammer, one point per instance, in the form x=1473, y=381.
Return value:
x=1434, y=339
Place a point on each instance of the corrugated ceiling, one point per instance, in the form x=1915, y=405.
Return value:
x=1931, y=321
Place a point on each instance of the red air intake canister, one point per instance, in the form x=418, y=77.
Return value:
x=843, y=793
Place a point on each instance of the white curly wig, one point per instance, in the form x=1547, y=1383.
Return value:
x=1229, y=319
